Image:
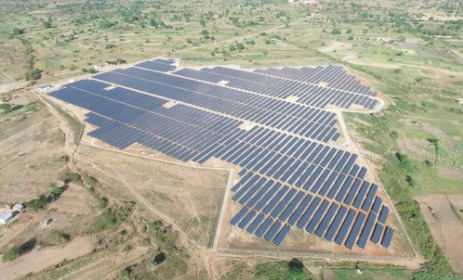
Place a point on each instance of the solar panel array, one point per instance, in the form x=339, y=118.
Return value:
x=343, y=90
x=289, y=174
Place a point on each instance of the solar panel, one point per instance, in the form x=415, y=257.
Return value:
x=387, y=237
x=287, y=167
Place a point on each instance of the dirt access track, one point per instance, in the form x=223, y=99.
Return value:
x=445, y=227
x=42, y=258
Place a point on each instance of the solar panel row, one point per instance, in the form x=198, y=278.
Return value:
x=334, y=76
x=157, y=65
x=310, y=94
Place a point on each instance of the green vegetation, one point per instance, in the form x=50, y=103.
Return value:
x=55, y=190
x=11, y=254
x=163, y=235
x=54, y=237
x=293, y=270
x=5, y=107
x=113, y=216
x=69, y=176
x=457, y=212
x=18, y=251
x=38, y=203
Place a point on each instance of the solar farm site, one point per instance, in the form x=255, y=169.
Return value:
x=298, y=184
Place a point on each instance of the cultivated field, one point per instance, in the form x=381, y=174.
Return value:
x=445, y=224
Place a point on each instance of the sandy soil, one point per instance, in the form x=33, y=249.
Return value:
x=12, y=86
x=42, y=258
x=30, y=153
x=110, y=266
x=450, y=173
x=445, y=227
x=336, y=46
x=187, y=196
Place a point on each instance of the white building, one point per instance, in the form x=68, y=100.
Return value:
x=18, y=207
x=5, y=218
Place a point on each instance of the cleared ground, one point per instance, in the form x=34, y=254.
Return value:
x=43, y=258
x=446, y=228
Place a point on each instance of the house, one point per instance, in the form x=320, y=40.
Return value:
x=18, y=207
x=5, y=218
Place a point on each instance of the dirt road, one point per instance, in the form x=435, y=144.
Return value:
x=43, y=258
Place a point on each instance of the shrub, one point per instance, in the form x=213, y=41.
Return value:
x=110, y=46
x=11, y=254
x=5, y=107
x=38, y=203
x=281, y=270
x=55, y=190
x=336, y=31
x=404, y=161
x=69, y=176
x=102, y=202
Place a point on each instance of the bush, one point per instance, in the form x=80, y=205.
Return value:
x=110, y=218
x=55, y=190
x=102, y=202
x=405, y=162
x=125, y=274
x=411, y=181
x=110, y=46
x=250, y=42
x=5, y=107
x=16, y=252
x=11, y=254
x=69, y=176
x=121, y=61
x=293, y=270
x=38, y=203
x=428, y=104
x=336, y=31
x=55, y=237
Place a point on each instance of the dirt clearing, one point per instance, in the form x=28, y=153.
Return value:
x=450, y=173
x=189, y=197
x=42, y=258
x=445, y=227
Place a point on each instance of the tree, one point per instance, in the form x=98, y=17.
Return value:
x=336, y=31
x=121, y=60
x=11, y=254
x=33, y=74
x=202, y=21
x=17, y=31
x=404, y=161
x=240, y=46
x=47, y=23
x=5, y=107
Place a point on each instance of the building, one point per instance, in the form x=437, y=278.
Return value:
x=5, y=218
x=18, y=207
x=44, y=88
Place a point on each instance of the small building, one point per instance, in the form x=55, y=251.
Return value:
x=45, y=88
x=18, y=207
x=5, y=218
